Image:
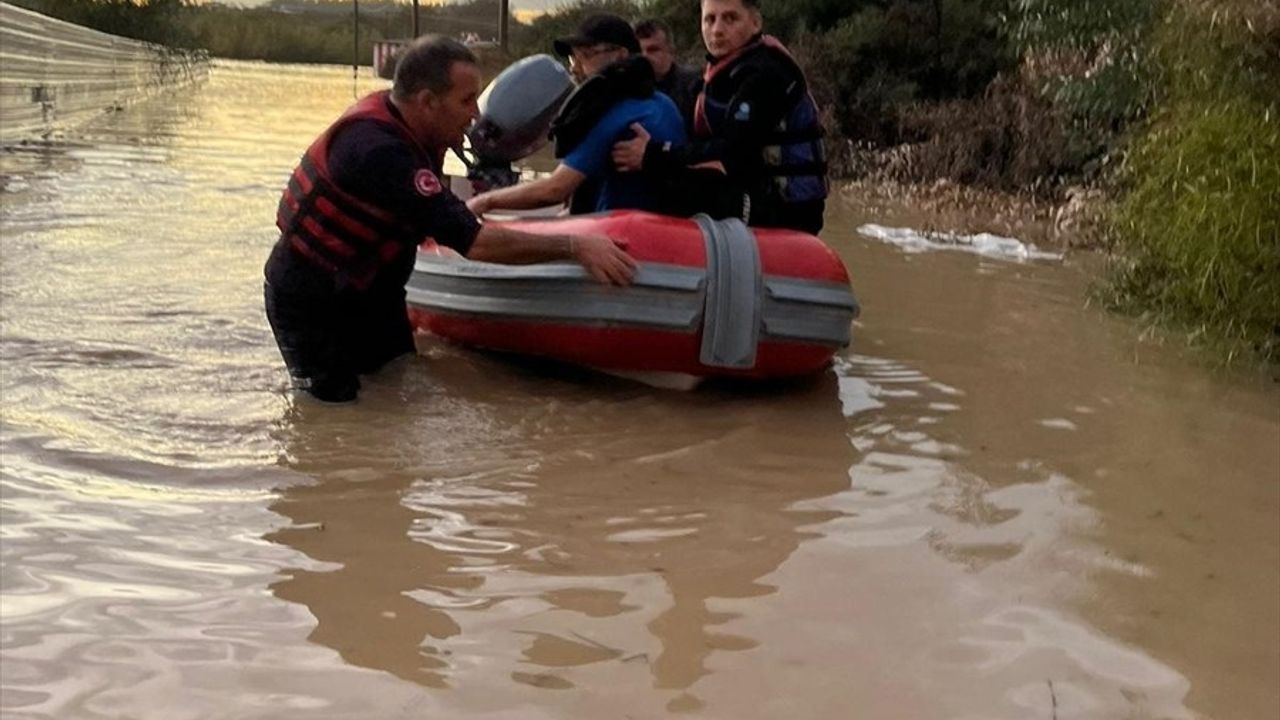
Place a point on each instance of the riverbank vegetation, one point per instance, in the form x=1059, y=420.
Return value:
x=1165, y=108
x=1163, y=113
x=1197, y=216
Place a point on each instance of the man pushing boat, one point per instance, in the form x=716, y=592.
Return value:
x=361, y=200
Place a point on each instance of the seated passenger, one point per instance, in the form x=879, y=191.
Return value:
x=616, y=91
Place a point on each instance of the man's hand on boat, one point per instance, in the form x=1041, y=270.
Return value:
x=480, y=205
x=604, y=258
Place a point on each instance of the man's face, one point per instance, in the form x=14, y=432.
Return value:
x=658, y=49
x=587, y=60
x=727, y=25
x=453, y=112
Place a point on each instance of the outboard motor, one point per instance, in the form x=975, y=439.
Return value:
x=516, y=111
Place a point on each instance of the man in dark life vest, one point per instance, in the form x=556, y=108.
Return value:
x=755, y=117
x=616, y=92
x=678, y=82
x=363, y=197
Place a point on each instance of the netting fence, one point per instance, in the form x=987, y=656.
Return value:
x=55, y=73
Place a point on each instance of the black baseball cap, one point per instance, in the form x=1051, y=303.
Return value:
x=597, y=30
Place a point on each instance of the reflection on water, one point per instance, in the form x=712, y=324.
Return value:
x=544, y=527
x=996, y=505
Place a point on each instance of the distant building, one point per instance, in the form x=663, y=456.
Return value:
x=385, y=55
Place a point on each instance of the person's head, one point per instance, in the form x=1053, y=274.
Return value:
x=728, y=25
x=656, y=44
x=436, y=86
x=601, y=40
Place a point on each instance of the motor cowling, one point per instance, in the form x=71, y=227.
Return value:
x=517, y=108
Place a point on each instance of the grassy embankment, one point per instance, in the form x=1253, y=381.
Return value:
x=1197, y=222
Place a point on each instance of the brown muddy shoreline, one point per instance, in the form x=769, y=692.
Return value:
x=1071, y=223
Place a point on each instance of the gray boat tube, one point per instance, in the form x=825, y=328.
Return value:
x=730, y=302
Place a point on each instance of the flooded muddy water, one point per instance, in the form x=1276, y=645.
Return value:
x=1000, y=502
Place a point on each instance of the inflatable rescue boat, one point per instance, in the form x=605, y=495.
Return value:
x=709, y=298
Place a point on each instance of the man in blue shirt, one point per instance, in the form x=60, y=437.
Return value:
x=616, y=90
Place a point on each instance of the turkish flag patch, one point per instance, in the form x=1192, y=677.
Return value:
x=426, y=183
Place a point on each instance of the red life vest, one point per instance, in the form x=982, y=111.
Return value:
x=350, y=238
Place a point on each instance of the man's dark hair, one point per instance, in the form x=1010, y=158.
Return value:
x=425, y=65
x=751, y=4
x=649, y=27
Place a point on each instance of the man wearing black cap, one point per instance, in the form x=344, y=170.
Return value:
x=616, y=90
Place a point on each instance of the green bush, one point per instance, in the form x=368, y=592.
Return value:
x=1090, y=59
x=264, y=34
x=1198, y=230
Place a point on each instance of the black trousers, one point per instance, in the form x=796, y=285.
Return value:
x=803, y=216
x=329, y=339
x=691, y=191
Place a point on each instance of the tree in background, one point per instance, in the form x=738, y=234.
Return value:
x=537, y=36
x=1090, y=59
x=153, y=21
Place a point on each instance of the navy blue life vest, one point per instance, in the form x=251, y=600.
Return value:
x=793, y=159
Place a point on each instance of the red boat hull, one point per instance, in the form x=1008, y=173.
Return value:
x=654, y=241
